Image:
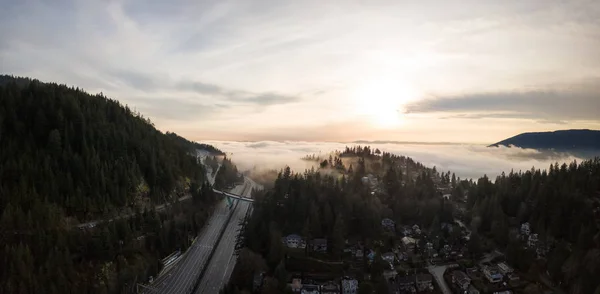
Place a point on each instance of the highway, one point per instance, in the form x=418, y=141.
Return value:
x=183, y=275
x=223, y=261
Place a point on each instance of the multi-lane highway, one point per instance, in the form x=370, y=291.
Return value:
x=222, y=262
x=182, y=277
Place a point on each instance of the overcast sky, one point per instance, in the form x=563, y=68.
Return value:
x=453, y=71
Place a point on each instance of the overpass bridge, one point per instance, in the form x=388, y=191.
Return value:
x=232, y=197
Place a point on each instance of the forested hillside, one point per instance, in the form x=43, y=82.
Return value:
x=562, y=206
x=68, y=157
x=344, y=203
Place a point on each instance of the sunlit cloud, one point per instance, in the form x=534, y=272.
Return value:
x=271, y=69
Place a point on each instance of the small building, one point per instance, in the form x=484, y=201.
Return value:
x=492, y=274
x=388, y=224
x=294, y=241
x=349, y=286
x=424, y=282
x=389, y=257
x=525, y=229
x=461, y=280
x=409, y=243
x=405, y=284
x=310, y=289
x=416, y=229
x=330, y=287
x=532, y=240
x=359, y=254
x=296, y=285
x=319, y=245
x=504, y=268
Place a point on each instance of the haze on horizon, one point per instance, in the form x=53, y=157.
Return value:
x=429, y=71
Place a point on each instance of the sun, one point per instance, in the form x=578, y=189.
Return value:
x=382, y=101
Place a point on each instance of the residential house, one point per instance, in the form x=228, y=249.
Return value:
x=504, y=268
x=388, y=224
x=532, y=240
x=294, y=241
x=310, y=289
x=404, y=284
x=525, y=229
x=298, y=287
x=424, y=282
x=492, y=274
x=389, y=257
x=416, y=229
x=409, y=243
x=461, y=280
x=359, y=254
x=349, y=286
x=371, y=255
x=319, y=245
x=330, y=287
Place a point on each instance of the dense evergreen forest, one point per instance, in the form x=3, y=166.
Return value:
x=337, y=202
x=69, y=157
x=562, y=205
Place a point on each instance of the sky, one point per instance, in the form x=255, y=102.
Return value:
x=467, y=71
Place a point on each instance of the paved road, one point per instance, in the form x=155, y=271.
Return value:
x=223, y=261
x=183, y=275
x=438, y=274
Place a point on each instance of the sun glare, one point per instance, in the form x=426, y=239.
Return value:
x=383, y=100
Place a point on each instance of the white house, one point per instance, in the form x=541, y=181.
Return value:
x=389, y=257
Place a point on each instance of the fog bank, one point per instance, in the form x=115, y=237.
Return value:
x=467, y=161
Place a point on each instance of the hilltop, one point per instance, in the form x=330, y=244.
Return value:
x=564, y=140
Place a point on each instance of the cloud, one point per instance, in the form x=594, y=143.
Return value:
x=549, y=106
x=177, y=109
x=467, y=161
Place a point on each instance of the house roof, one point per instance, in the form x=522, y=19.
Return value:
x=460, y=276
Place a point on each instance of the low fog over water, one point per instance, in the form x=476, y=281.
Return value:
x=467, y=161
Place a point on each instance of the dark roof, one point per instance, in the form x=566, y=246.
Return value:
x=424, y=278
x=405, y=280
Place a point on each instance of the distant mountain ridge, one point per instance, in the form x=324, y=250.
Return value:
x=564, y=140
